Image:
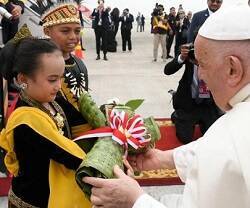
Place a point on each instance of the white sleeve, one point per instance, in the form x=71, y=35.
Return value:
x=183, y=158
x=146, y=201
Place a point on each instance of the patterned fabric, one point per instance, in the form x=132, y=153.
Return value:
x=61, y=14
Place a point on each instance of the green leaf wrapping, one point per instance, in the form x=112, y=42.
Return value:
x=153, y=132
x=106, y=153
x=91, y=112
x=100, y=162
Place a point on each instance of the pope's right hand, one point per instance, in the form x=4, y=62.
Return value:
x=152, y=159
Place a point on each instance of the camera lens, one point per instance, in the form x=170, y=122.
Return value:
x=191, y=54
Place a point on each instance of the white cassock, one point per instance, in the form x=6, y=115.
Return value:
x=216, y=168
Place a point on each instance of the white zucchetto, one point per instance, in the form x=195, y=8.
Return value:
x=228, y=23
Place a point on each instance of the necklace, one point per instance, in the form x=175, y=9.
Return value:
x=59, y=118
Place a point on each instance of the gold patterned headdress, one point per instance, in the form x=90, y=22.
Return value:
x=61, y=14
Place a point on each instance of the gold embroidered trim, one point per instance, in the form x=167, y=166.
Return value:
x=19, y=203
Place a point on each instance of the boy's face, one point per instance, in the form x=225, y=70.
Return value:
x=66, y=36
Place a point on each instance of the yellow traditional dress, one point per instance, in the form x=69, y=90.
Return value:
x=63, y=190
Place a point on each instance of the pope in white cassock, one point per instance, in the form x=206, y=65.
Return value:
x=215, y=168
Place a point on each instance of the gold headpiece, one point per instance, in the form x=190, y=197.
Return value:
x=61, y=14
x=22, y=33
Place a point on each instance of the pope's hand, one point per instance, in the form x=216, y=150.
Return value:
x=152, y=159
x=121, y=192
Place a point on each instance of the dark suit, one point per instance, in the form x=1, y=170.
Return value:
x=170, y=37
x=188, y=111
x=126, y=28
x=181, y=35
x=198, y=19
x=101, y=31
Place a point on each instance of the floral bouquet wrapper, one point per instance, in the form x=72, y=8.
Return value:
x=117, y=132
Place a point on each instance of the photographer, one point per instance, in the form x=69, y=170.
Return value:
x=192, y=102
x=160, y=28
x=10, y=19
x=181, y=29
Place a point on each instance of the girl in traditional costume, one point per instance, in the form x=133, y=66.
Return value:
x=62, y=24
x=39, y=153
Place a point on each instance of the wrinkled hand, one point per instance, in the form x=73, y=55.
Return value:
x=16, y=11
x=121, y=192
x=128, y=168
x=151, y=160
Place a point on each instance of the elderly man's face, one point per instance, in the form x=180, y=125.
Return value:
x=214, y=5
x=211, y=69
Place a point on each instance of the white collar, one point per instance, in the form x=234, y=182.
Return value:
x=209, y=11
x=241, y=96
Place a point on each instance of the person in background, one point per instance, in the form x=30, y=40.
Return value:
x=80, y=4
x=40, y=6
x=126, y=20
x=101, y=24
x=112, y=43
x=39, y=152
x=171, y=34
x=138, y=21
x=215, y=168
x=192, y=102
x=10, y=23
x=160, y=29
x=189, y=16
x=181, y=30
x=115, y=19
x=142, y=23
x=180, y=8
x=75, y=79
x=200, y=17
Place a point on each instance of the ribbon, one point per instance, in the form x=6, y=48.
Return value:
x=122, y=129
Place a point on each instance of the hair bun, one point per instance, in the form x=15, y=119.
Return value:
x=7, y=55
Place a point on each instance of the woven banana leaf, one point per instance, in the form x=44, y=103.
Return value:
x=91, y=112
x=106, y=153
x=100, y=162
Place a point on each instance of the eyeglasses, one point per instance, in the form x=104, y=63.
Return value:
x=217, y=1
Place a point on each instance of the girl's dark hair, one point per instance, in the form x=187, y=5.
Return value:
x=24, y=56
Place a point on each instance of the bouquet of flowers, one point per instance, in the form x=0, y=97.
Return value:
x=118, y=132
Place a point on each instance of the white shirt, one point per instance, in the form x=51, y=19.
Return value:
x=216, y=168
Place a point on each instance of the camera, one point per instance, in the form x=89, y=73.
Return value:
x=5, y=13
x=191, y=54
x=100, y=2
x=158, y=10
x=190, y=47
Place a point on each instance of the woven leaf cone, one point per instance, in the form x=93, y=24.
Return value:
x=100, y=162
x=91, y=112
x=106, y=153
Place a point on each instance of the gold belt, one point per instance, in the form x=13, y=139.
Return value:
x=19, y=203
